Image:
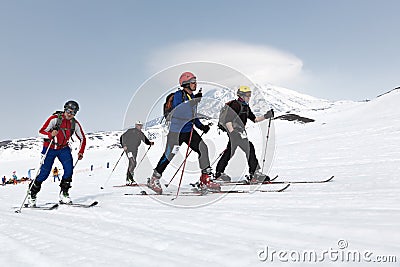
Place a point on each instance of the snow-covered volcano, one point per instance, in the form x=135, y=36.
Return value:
x=352, y=219
x=266, y=96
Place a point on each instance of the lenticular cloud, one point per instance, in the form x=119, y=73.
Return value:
x=260, y=63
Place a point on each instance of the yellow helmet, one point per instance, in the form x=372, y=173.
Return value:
x=243, y=90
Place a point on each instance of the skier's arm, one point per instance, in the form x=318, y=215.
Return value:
x=259, y=119
x=82, y=138
x=198, y=123
x=229, y=126
x=232, y=115
x=269, y=114
x=47, y=130
x=147, y=141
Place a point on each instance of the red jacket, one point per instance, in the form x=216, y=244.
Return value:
x=64, y=133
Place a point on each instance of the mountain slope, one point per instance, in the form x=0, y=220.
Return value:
x=356, y=143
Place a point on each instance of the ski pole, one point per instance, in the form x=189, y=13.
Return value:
x=266, y=144
x=176, y=172
x=220, y=155
x=143, y=157
x=37, y=174
x=113, y=170
x=75, y=163
x=184, y=162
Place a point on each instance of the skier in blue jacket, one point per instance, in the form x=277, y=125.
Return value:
x=183, y=120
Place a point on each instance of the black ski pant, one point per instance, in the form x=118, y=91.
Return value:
x=244, y=144
x=175, y=140
x=132, y=164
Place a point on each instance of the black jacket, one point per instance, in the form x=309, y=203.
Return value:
x=132, y=139
x=239, y=114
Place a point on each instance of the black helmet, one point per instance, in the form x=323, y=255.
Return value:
x=72, y=105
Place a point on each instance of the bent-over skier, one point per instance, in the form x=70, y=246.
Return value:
x=130, y=141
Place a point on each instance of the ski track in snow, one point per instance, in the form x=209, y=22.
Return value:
x=360, y=205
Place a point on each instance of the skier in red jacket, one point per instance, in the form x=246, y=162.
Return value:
x=57, y=130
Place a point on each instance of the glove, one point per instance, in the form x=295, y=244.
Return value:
x=198, y=95
x=269, y=114
x=205, y=128
x=151, y=143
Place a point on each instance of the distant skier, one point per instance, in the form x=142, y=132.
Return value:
x=14, y=177
x=183, y=120
x=236, y=119
x=3, y=180
x=57, y=130
x=55, y=174
x=130, y=142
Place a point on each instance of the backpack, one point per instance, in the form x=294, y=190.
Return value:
x=59, y=121
x=222, y=114
x=168, y=105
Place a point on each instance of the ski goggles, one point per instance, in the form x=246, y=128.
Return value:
x=248, y=94
x=70, y=111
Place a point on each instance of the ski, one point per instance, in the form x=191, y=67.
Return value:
x=206, y=192
x=304, y=182
x=130, y=185
x=258, y=190
x=81, y=205
x=272, y=181
x=145, y=193
x=244, y=182
x=234, y=191
x=53, y=206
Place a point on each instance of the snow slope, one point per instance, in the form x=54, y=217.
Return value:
x=356, y=142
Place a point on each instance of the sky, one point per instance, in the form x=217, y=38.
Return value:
x=53, y=51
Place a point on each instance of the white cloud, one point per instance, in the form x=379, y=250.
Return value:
x=260, y=63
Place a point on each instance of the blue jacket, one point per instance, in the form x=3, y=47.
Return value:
x=183, y=112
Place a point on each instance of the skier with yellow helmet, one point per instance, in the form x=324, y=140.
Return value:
x=236, y=118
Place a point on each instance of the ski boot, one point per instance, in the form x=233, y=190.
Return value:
x=34, y=188
x=258, y=177
x=222, y=177
x=129, y=179
x=154, y=183
x=64, y=195
x=205, y=181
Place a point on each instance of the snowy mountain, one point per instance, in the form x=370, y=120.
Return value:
x=264, y=97
x=349, y=221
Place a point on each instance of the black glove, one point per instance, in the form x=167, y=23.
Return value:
x=204, y=128
x=198, y=95
x=269, y=114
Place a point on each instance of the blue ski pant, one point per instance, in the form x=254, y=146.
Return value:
x=64, y=156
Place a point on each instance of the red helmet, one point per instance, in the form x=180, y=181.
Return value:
x=186, y=77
